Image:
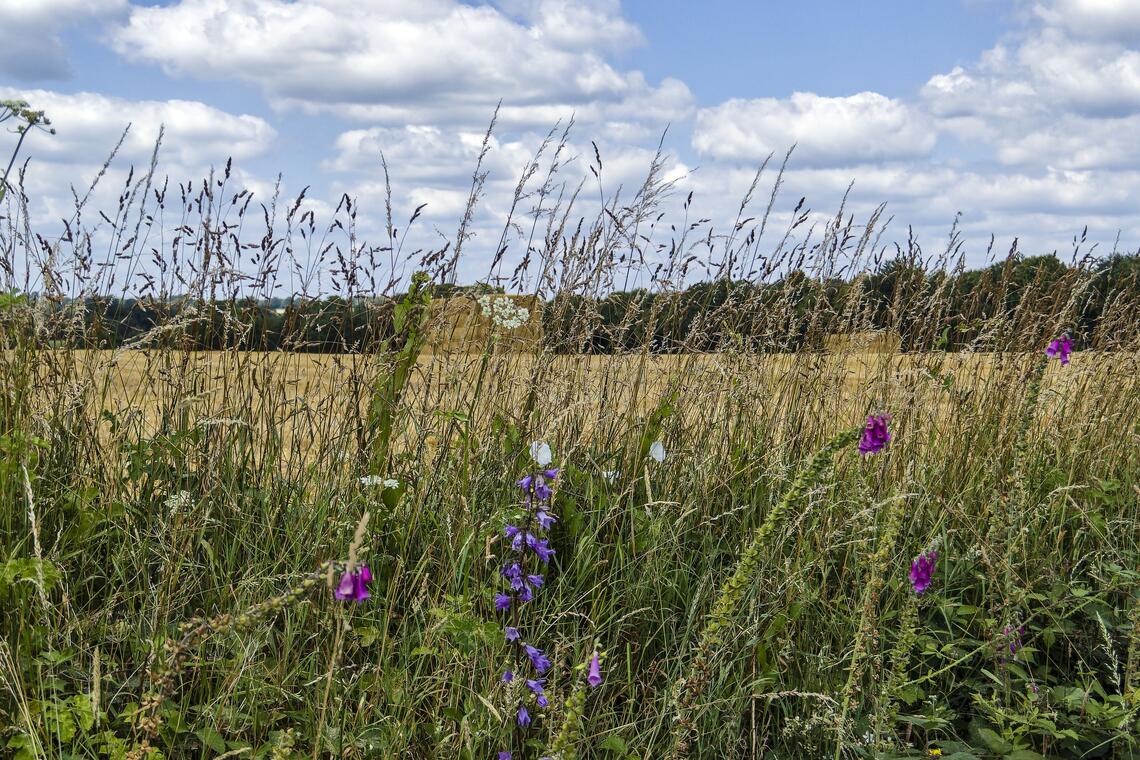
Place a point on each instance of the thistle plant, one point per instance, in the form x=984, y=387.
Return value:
x=521, y=580
x=689, y=689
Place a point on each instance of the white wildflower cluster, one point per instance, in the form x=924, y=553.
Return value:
x=178, y=502
x=377, y=480
x=504, y=312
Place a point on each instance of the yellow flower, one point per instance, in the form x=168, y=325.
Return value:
x=935, y=752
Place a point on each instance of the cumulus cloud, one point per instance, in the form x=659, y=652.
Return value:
x=831, y=131
x=1104, y=19
x=88, y=125
x=396, y=62
x=30, y=46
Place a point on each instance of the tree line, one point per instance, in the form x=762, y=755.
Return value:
x=997, y=307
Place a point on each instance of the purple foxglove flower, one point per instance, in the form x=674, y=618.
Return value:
x=545, y=519
x=505, y=755
x=594, y=677
x=524, y=716
x=921, y=571
x=512, y=633
x=875, y=435
x=1060, y=348
x=502, y=602
x=508, y=676
x=354, y=585
x=539, y=660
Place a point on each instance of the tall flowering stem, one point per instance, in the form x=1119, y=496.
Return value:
x=563, y=746
x=689, y=689
x=528, y=553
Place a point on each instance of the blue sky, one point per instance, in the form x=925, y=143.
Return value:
x=1021, y=116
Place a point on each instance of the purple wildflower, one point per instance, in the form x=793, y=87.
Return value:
x=505, y=755
x=1060, y=348
x=539, y=660
x=354, y=585
x=1013, y=636
x=535, y=685
x=875, y=435
x=545, y=519
x=502, y=602
x=508, y=676
x=921, y=571
x=542, y=700
x=512, y=633
x=524, y=716
x=535, y=580
x=541, y=547
x=594, y=677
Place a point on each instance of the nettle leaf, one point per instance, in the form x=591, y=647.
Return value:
x=994, y=741
x=212, y=739
x=26, y=569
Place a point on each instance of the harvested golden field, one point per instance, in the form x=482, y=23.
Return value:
x=313, y=405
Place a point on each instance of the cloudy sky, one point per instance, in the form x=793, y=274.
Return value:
x=1022, y=116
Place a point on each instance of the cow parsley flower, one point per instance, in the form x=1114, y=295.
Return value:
x=504, y=312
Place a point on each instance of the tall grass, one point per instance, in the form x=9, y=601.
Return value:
x=171, y=518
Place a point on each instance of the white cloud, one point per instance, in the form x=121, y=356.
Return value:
x=396, y=62
x=88, y=125
x=827, y=131
x=30, y=46
x=1105, y=19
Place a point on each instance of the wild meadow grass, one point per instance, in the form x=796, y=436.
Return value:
x=184, y=533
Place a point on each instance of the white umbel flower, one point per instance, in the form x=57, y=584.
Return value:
x=504, y=312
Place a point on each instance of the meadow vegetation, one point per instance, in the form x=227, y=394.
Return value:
x=263, y=552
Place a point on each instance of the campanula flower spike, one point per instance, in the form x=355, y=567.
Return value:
x=528, y=552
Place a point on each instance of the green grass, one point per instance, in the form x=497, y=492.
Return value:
x=166, y=538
